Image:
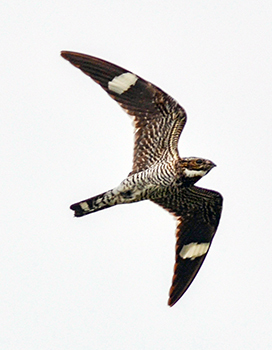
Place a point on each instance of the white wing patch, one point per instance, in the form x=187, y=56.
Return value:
x=194, y=250
x=122, y=82
x=84, y=206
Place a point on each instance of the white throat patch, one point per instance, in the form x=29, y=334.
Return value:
x=193, y=173
x=122, y=82
x=194, y=250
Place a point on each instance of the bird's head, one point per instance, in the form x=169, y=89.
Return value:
x=193, y=168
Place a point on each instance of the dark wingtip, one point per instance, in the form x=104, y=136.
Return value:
x=71, y=54
x=68, y=54
x=73, y=206
x=77, y=210
x=64, y=54
x=172, y=302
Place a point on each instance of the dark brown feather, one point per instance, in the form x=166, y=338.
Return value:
x=158, y=118
x=198, y=213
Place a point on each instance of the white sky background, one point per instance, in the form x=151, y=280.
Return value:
x=102, y=281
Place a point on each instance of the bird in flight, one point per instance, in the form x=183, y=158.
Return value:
x=158, y=173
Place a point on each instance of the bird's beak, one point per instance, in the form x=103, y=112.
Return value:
x=211, y=164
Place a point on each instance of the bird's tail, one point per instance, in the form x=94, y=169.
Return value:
x=99, y=202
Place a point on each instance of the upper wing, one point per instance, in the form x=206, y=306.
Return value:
x=158, y=118
x=198, y=213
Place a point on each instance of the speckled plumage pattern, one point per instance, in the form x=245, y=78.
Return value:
x=158, y=173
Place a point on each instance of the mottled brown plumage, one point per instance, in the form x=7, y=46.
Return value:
x=158, y=173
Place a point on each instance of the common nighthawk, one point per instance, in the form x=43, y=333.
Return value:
x=158, y=173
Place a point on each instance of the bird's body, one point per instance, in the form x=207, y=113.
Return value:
x=158, y=173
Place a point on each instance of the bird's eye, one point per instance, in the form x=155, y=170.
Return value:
x=199, y=161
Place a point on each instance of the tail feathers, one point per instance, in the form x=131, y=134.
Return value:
x=90, y=205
